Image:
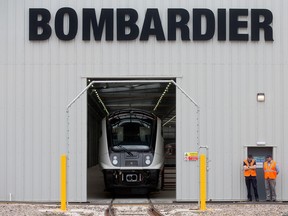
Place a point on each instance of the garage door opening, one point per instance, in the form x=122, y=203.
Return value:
x=154, y=97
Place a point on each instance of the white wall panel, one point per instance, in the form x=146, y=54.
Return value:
x=38, y=79
x=187, y=173
x=46, y=152
x=19, y=87
x=57, y=115
x=3, y=132
x=284, y=136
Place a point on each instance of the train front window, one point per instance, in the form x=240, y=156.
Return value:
x=131, y=133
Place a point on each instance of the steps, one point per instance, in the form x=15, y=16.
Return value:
x=169, y=178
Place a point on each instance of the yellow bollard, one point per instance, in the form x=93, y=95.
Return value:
x=63, y=187
x=202, y=182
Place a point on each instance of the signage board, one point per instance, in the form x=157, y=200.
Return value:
x=190, y=156
x=259, y=161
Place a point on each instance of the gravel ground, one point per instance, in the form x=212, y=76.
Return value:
x=273, y=209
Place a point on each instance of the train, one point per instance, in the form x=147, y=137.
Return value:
x=131, y=152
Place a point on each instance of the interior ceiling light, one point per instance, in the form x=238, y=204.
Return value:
x=114, y=89
x=160, y=99
x=100, y=100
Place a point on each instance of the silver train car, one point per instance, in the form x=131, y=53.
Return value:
x=131, y=152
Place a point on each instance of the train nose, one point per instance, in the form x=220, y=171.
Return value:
x=131, y=177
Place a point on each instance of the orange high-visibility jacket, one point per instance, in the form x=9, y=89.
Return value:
x=251, y=172
x=270, y=170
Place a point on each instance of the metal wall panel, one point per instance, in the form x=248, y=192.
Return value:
x=3, y=132
x=38, y=80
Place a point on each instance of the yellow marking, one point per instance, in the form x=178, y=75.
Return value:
x=202, y=182
x=63, y=183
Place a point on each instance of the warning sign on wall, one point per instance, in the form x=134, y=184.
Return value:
x=190, y=156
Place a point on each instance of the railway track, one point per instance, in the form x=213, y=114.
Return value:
x=115, y=209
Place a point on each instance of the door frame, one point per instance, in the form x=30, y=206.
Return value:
x=243, y=193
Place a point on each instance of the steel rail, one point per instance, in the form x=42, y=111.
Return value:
x=110, y=210
x=151, y=210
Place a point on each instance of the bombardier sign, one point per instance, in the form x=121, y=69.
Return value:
x=123, y=24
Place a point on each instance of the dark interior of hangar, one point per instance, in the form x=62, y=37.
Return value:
x=107, y=97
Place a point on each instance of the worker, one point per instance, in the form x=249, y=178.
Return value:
x=250, y=177
x=271, y=170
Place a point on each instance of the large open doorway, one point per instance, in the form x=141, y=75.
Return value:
x=259, y=154
x=156, y=97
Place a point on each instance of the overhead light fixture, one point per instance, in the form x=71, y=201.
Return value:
x=161, y=97
x=100, y=100
x=260, y=97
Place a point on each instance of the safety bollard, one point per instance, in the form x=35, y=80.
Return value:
x=202, y=182
x=63, y=187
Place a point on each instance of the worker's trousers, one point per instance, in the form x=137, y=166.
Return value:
x=270, y=189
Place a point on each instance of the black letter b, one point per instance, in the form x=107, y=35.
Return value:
x=34, y=24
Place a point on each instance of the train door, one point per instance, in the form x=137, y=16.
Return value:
x=259, y=154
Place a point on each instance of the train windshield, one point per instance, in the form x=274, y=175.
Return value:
x=132, y=131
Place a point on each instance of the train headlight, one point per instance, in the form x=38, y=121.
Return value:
x=147, y=162
x=115, y=161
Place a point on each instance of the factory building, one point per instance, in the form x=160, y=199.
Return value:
x=215, y=72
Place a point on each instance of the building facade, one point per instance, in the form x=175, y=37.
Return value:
x=222, y=53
